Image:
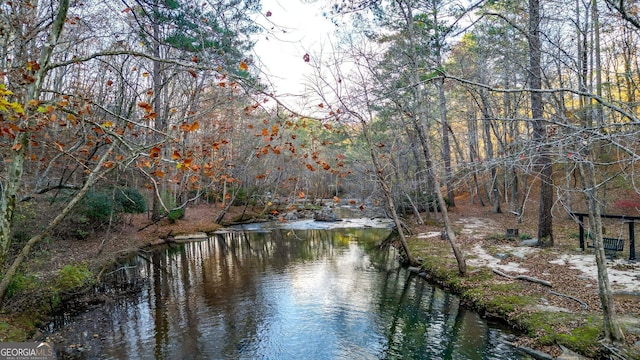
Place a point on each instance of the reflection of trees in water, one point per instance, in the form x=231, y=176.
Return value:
x=421, y=321
x=220, y=297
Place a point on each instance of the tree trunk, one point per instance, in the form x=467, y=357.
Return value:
x=543, y=161
x=405, y=6
x=16, y=166
x=446, y=147
x=160, y=122
x=388, y=195
x=612, y=330
x=93, y=177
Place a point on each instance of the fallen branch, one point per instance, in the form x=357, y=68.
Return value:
x=524, y=277
x=584, y=304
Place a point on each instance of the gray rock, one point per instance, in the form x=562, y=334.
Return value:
x=529, y=242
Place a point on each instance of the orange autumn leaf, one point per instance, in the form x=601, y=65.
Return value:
x=16, y=147
x=176, y=155
x=155, y=152
x=301, y=195
x=195, y=126
x=243, y=66
x=159, y=173
x=145, y=105
x=336, y=199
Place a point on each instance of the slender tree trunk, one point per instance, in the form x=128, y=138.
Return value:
x=543, y=161
x=487, y=115
x=160, y=122
x=405, y=6
x=16, y=166
x=446, y=147
x=93, y=177
x=388, y=195
x=612, y=330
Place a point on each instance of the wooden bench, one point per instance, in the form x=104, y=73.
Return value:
x=616, y=244
x=610, y=244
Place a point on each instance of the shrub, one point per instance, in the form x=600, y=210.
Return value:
x=20, y=282
x=97, y=206
x=130, y=201
x=175, y=215
x=629, y=203
x=74, y=276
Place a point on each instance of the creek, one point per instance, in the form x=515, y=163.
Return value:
x=297, y=290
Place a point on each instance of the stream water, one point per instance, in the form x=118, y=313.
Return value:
x=304, y=290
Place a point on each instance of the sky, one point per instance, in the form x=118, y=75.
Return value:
x=299, y=27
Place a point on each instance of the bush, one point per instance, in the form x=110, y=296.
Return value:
x=97, y=206
x=74, y=276
x=630, y=203
x=20, y=282
x=175, y=215
x=130, y=201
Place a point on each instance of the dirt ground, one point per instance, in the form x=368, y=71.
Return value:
x=137, y=231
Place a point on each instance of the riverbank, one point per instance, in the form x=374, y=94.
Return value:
x=549, y=321
x=556, y=319
x=65, y=271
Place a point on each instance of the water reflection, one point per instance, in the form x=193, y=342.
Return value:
x=284, y=294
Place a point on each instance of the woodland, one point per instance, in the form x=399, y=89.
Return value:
x=109, y=108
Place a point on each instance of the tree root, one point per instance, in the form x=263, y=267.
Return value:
x=584, y=304
x=524, y=277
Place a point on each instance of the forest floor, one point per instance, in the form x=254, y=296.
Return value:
x=481, y=234
x=571, y=272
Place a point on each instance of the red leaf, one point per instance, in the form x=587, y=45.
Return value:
x=306, y=58
x=268, y=13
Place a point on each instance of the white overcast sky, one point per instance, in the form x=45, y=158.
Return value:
x=281, y=52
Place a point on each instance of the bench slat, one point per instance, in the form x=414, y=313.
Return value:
x=613, y=244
